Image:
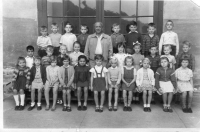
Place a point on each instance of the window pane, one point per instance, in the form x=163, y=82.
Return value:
x=71, y=7
x=108, y=24
x=128, y=7
x=54, y=8
x=88, y=7
x=111, y=7
x=75, y=24
x=143, y=24
x=89, y=22
x=124, y=23
x=59, y=21
x=145, y=8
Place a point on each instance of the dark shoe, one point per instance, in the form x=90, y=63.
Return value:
x=39, y=107
x=129, y=108
x=47, y=107
x=64, y=108
x=69, y=109
x=110, y=108
x=145, y=109
x=148, y=109
x=189, y=110
x=79, y=108
x=165, y=109
x=53, y=108
x=170, y=109
x=84, y=108
x=31, y=107
x=125, y=108
x=185, y=110
x=21, y=107
x=115, y=108
x=17, y=108
x=97, y=109
x=101, y=109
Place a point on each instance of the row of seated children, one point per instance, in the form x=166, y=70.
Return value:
x=54, y=76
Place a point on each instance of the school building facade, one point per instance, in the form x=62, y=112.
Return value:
x=22, y=19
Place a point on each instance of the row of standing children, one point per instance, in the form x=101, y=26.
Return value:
x=128, y=47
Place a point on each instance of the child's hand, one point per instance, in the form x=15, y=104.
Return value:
x=160, y=90
x=154, y=89
x=174, y=91
x=127, y=84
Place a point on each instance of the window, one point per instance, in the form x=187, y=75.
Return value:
x=88, y=12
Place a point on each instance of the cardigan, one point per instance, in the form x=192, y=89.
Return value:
x=165, y=75
x=70, y=74
x=139, y=78
x=42, y=72
x=26, y=72
x=91, y=44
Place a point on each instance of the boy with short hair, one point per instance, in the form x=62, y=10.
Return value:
x=55, y=38
x=82, y=38
x=43, y=41
x=46, y=60
x=150, y=39
x=132, y=37
x=116, y=37
x=63, y=53
x=30, y=56
x=186, y=48
x=68, y=38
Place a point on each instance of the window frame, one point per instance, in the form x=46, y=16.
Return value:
x=157, y=14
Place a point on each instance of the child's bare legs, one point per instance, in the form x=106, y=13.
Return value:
x=39, y=96
x=125, y=97
x=79, y=93
x=46, y=93
x=149, y=99
x=130, y=96
x=55, y=94
x=64, y=97
x=110, y=97
x=184, y=95
x=85, y=96
x=32, y=97
x=165, y=100
x=69, y=97
x=170, y=96
x=96, y=99
x=116, y=97
x=102, y=98
x=190, y=99
x=145, y=98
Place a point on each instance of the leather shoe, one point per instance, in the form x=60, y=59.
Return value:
x=31, y=107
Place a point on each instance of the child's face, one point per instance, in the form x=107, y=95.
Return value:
x=169, y=25
x=30, y=53
x=68, y=28
x=98, y=62
x=184, y=63
x=186, y=48
x=129, y=62
x=63, y=50
x=137, y=49
x=133, y=28
x=113, y=64
x=53, y=63
x=44, y=32
x=83, y=30
x=153, y=50
x=164, y=63
x=145, y=64
x=65, y=62
x=22, y=63
x=54, y=29
x=37, y=62
x=82, y=62
x=167, y=51
x=49, y=52
x=121, y=49
x=76, y=47
x=116, y=29
x=151, y=30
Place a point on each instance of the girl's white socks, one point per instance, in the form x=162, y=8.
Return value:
x=22, y=96
x=16, y=98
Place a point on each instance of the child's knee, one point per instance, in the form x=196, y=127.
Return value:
x=15, y=91
x=68, y=92
x=21, y=91
x=95, y=93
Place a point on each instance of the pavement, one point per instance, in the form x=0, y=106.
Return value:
x=91, y=119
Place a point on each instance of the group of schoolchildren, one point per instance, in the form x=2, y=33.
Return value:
x=138, y=65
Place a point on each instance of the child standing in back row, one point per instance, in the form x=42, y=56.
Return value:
x=169, y=38
x=83, y=36
x=55, y=38
x=116, y=37
x=68, y=38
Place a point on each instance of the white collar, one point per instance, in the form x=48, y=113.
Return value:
x=30, y=57
x=76, y=52
x=134, y=31
x=98, y=66
x=113, y=68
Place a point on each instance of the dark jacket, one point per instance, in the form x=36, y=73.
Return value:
x=42, y=71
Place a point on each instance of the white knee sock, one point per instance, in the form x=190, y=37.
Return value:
x=22, y=96
x=16, y=98
x=39, y=104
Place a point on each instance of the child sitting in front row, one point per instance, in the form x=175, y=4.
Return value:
x=99, y=82
x=37, y=81
x=114, y=80
x=166, y=83
x=81, y=80
x=128, y=85
x=185, y=84
x=145, y=82
x=67, y=77
x=53, y=78
x=20, y=82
